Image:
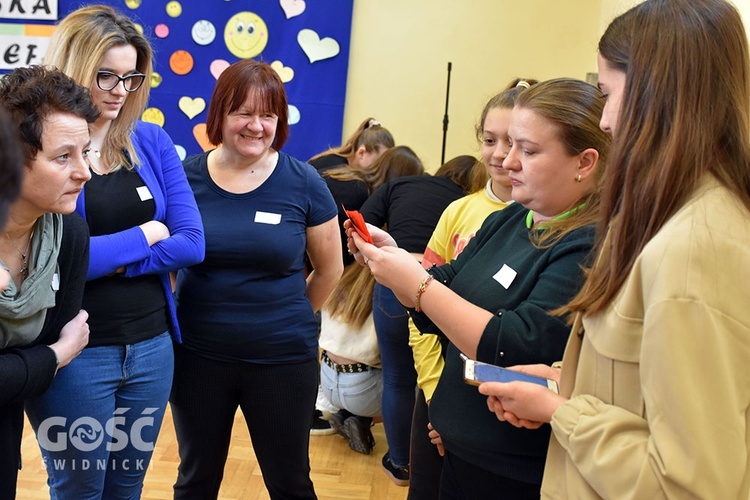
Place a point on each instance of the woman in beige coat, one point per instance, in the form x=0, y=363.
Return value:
x=654, y=396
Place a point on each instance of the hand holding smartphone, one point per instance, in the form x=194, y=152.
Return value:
x=476, y=372
x=359, y=225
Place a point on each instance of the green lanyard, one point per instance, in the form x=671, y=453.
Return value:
x=530, y=216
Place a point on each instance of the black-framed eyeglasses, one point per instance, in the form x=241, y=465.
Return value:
x=106, y=80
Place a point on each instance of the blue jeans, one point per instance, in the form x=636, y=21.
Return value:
x=98, y=422
x=399, y=376
x=357, y=393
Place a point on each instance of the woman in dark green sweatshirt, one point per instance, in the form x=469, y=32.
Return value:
x=493, y=301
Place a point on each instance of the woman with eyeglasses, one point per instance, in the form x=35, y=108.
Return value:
x=144, y=223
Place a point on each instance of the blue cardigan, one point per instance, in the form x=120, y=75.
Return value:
x=161, y=170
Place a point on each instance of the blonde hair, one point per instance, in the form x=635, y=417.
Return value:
x=504, y=100
x=351, y=301
x=370, y=134
x=77, y=48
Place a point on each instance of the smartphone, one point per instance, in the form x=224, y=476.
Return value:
x=358, y=222
x=476, y=372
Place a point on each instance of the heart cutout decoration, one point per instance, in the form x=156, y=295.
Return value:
x=191, y=107
x=285, y=72
x=292, y=8
x=217, y=67
x=315, y=48
x=199, y=132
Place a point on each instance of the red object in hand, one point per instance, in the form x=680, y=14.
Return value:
x=359, y=224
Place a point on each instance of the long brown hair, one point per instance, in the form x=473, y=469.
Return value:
x=460, y=170
x=685, y=112
x=370, y=134
x=575, y=108
x=77, y=47
x=396, y=162
x=351, y=301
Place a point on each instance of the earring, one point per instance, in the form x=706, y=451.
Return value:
x=579, y=179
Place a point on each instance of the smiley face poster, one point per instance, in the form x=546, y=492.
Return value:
x=306, y=42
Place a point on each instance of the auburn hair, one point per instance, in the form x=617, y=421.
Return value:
x=242, y=80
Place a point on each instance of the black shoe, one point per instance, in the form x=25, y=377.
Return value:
x=320, y=427
x=360, y=437
x=337, y=423
x=399, y=475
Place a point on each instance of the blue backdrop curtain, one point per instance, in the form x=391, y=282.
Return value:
x=193, y=40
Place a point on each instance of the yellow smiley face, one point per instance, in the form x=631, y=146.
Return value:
x=153, y=115
x=133, y=4
x=174, y=9
x=155, y=80
x=246, y=35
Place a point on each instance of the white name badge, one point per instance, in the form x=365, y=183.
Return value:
x=144, y=193
x=267, y=218
x=505, y=276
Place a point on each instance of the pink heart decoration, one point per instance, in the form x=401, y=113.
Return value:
x=218, y=66
x=292, y=8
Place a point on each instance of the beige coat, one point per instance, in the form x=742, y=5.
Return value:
x=660, y=381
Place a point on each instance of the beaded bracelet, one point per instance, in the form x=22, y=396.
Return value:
x=422, y=287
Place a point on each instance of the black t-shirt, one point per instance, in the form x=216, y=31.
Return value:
x=326, y=162
x=350, y=194
x=410, y=207
x=122, y=310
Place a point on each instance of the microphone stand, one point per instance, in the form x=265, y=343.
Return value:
x=445, y=116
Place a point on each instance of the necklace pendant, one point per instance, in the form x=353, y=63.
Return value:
x=24, y=272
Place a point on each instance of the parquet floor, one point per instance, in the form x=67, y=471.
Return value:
x=337, y=471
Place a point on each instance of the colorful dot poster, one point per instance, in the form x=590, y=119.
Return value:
x=305, y=41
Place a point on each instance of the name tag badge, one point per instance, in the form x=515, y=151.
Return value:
x=55, y=282
x=267, y=218
x=505, y=276
x=144, y=193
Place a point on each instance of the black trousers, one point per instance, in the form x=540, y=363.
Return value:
x=462, y=480
x=277, y=402
x=426, y=464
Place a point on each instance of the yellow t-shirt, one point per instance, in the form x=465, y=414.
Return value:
x=458, y=224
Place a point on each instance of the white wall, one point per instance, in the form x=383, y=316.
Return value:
x=400, y=50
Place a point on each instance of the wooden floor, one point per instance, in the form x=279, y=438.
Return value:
x=337, y=471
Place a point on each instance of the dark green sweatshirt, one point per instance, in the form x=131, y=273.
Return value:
x=503, y=272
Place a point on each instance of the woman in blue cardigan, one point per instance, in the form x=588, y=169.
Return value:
x=98, y=423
